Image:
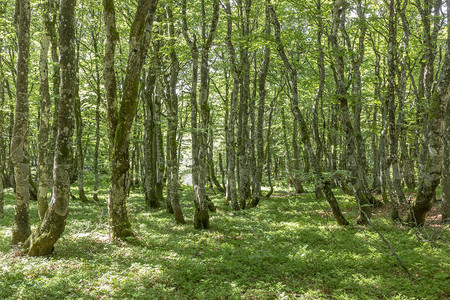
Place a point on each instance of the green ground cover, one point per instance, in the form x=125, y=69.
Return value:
x=287, y=248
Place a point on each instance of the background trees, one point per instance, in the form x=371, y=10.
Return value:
x=300, y=94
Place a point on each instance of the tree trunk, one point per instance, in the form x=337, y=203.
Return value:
x=323, y=183
x=361, y=191
x=2, y=145
x=42, y=240
x=44, y=122
x=79, y=133
x=172, y=120
x=261, y=108
x=120, y=121
x=446, y=170
x=243, y=130
x=231, y=152
x=433, y=168
x=19, y=142
x=98, y=93
x=150, y=135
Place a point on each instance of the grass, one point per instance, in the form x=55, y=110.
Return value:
x=287, y=248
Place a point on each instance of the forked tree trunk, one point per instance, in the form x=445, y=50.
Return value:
x=120, y=121
x=19, y=141
x=42, y=240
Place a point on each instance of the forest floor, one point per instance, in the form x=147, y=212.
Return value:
x=289, y=247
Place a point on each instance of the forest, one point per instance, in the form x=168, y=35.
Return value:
x=224, y=149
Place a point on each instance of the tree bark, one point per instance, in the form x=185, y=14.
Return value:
x=44, y=122
x=120, y=121
x=19, y=141
x=42, y=240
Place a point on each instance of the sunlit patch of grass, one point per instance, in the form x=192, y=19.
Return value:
x=289, y=247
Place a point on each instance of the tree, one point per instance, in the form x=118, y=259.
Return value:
x=42, y=240
x=320, y=181
x=19, y=151
x=121, y=118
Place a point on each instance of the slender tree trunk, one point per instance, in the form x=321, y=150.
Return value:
x=398, y=196
x=42, y=240
x=44, y=122
x=287, y=152
x=360, y=189
x=172, y=119
x=98, y=93
x=19, y=142
x=323, y=183
x=79, y=134
x=243, y=130
x=151, y=137
x=212, y=172
x=231, y=153
x=2, y=122
x=261, y=108
x=446, y=170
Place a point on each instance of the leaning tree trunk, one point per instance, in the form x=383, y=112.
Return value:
x=433, y=168
x=120, y=121
x=19, y=145
x=321, y=182
x=42, y=240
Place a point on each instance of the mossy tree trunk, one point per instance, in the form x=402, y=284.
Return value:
x=433, y=169
x=120, y=120
x=44, y=122
x=42, y=240
x=19, y=141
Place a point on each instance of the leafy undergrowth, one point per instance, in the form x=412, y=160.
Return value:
x=287, y=248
